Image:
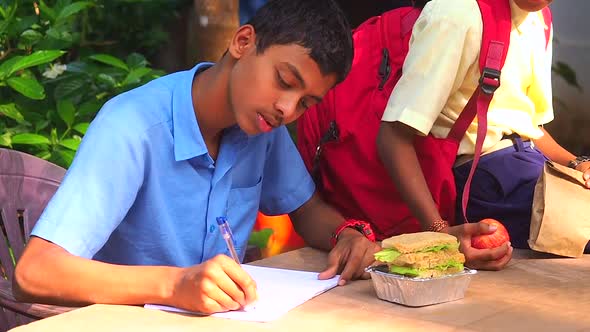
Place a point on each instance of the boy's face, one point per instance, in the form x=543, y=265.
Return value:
x=532, y=5
x=275, y=87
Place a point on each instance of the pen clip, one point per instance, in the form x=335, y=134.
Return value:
x=227, y=235
x=225, y=229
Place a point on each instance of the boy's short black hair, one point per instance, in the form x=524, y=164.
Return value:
x=318, y=25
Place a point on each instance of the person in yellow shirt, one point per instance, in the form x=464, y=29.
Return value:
x=440, y=74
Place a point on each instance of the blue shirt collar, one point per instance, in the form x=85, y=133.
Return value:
x=188, y=140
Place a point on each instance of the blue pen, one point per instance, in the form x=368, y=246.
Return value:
x=228, y=237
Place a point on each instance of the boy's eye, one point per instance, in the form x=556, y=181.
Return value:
x=303, y=104
x=282, y=82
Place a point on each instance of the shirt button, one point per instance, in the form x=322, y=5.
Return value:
x=211, y=228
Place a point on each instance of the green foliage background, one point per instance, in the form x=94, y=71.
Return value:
x=61, y=60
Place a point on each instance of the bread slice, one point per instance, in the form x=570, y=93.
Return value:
x=412, y=242
x=432, y=273
x=428, y=260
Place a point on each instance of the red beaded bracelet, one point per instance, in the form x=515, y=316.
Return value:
x=362, y=226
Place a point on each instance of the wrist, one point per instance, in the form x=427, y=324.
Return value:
x=349, y=232
x=438, y=225
x=574, y=163
x=349, y=226
x=167, y=290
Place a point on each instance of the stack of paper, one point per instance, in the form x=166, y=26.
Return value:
x=279, y=291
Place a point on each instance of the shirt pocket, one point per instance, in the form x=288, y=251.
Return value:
x=242, y=209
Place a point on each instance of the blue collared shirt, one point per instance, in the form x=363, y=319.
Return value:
x=143, y=190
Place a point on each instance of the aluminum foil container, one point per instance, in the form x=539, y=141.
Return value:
x=417, y=292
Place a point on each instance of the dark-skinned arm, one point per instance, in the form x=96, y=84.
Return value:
x=395, y=144
x=552, y=150
x=555, y=152
x=315, y=221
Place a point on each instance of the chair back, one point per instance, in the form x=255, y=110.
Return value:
x=27, y=183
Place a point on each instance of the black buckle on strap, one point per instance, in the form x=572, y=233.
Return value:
x=489, y=80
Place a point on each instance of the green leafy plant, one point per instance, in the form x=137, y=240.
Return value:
x=566, y=72
x=568, y=75
x=121, y=27
x=52, y=82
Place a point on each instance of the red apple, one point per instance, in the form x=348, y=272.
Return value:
x=488, y=241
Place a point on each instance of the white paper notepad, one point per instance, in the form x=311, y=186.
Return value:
x=279, y=291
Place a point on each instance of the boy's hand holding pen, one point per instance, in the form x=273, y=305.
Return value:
x=217, y=285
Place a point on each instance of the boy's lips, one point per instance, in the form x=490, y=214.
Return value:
x=263, y=124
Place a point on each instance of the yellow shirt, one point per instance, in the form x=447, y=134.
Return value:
x=441, y=72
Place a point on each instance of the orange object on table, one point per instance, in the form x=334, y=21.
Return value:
x=284, y=237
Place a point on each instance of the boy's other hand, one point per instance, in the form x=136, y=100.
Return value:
x=585, y=168
x=217, y=285
x=482, y=259
x=351, y=255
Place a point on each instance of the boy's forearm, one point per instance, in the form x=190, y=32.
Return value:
x=552, y=150
x=315, y=221
x=46, y=273
x=395, y=144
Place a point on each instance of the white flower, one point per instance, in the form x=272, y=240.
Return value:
x=55, y=69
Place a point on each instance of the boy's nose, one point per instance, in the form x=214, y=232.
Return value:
x=288, y=109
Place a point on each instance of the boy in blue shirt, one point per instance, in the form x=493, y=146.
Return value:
x=134, y=220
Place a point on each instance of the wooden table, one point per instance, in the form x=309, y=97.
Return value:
x=536, y=292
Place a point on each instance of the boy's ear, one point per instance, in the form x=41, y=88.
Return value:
x=243, y=41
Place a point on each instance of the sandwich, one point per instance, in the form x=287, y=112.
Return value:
x=422, y=255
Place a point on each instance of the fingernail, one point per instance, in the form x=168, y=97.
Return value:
x=341, y=282
x=493, y=227
x=586, y=176
x=249, y=307
x=509, y=244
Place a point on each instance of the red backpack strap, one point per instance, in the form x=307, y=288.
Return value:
x=497, y=24
x=548, y=19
